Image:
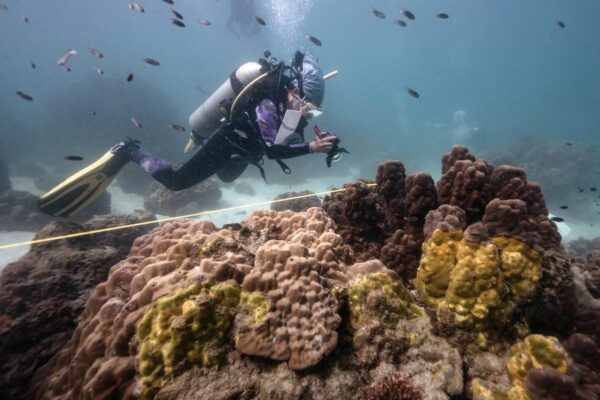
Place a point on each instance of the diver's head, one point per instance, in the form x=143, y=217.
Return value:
x=309, y=85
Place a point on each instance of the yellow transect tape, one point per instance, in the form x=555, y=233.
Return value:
x=121, y=227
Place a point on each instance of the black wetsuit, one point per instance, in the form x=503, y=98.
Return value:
x=226, y=153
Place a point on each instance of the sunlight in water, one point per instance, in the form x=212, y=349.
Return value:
x=288, y=17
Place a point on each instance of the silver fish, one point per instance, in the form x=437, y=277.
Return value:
x=134, y=5
x=204, y=22
x=99, y=70
x=25, y=18
x=177, y=127
x=65, y=58
x=96, y=53
x=136, y=122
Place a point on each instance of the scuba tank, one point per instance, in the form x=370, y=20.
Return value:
x=208, y=116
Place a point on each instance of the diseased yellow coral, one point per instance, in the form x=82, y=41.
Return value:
x=479, y=283
x=186, y=328
x=254, y=307
x=521, y=266
x=398, y=304
x=476, y=286
x=437, y=261
x=535, y=351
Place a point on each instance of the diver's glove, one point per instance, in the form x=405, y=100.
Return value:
x=127, y=148
x=335, y=152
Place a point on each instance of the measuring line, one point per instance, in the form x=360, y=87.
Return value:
x=127, y=226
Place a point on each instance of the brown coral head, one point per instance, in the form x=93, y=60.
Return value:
x=477, y=233
x=509, y=182
x=394, y=386
x=447, y=218
x=457, y=153
x=391, y=177
x=550, y=384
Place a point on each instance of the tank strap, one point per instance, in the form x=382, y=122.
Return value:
x=284, y=167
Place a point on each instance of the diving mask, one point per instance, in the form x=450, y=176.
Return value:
x=309, y=109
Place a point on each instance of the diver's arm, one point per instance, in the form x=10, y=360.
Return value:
x=282, y=151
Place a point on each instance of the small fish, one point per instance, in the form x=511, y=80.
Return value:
x=25, y=18
x=177, y=22
x=568, y=144
x=3, y=7
x=408, y=14
x=593, y=189
x=378, y=13
x=74, y=158
x=564, y=207
x=136, y=122
x=33, y=66
x=24, y=96
x=169, y=1
x=411, y=219
x=581, y=190
x=65, y=58
x=260, y=20
x=442, y=16
x=561, y=24
x=130, y=77
x=99, y=70
x=177, y=127
x=93, y=113
x=401, y=23
x=134, y=5
x=151, y=61
x=96, y=53
x=413, y=93
x=177, y=14
x=314, y=40
x=557, y=219
x=205, y=22
x=473, y=209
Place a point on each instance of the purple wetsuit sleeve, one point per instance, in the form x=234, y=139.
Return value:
x=150, y=163
x=266, y=116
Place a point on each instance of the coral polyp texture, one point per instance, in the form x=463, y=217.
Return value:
x=398, y=288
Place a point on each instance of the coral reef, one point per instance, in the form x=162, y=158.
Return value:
x=19, y=211
x=581, y=247
x=297, y=205
x=586, y=277
x=275, y=287
x=318, y=303
x=43, y=294
x=245, y=188
x=203, y=196
x=393, y=387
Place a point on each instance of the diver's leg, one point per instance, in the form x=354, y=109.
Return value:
x=208, y=160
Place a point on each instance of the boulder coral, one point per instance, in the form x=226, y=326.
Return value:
x=274, y=288
x=480, y=283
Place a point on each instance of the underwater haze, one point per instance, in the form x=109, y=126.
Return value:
x=514, y=81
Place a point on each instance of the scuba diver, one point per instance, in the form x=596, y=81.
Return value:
x=262, y=109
